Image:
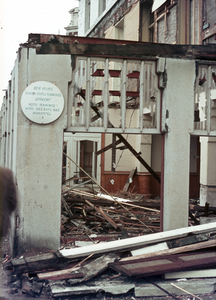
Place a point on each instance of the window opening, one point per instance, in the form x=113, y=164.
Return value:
x=105, y=91
x=101, y=6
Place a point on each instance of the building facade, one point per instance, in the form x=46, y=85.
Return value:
x=155, y=98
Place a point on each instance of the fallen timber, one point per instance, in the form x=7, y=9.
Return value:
x=167, y=261
x=99, y=269
x=129, y=243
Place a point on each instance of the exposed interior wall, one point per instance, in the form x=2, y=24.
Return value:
x=146, y=19
x=125, y=160
x=115, y=11
x=156, y=153
x=131, y=23
x=110, y=33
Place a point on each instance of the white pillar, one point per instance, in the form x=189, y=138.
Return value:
x=38, y=154
x=208, y=171
x=178, y=122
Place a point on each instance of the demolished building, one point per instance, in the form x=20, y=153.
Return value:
x=107, y=88
x=34, y=132
x=93, y=98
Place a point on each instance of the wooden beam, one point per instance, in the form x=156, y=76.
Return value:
x=107, y=148
x=61, y=274
x=168, y=263
x=115, y=48
x=129, y=180
x=101, y=212
x=125, y=142
x=140, y=159
x=209, y=32
x=135, y=242
x=113, y=163
x=188, y=248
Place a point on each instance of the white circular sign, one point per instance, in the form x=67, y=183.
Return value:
x=42, y=102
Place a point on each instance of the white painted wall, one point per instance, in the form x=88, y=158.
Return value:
x=37, y=153
x=94, y=17
x=93, y=11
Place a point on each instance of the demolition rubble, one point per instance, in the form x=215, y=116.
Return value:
x=112, y=247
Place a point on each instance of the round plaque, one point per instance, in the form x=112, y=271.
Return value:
x=42, y=102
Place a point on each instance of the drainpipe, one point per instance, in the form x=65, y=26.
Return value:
x=161, y=71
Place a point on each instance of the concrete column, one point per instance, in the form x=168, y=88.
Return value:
x=178, y=123
x=208, y=171
x=38, y=156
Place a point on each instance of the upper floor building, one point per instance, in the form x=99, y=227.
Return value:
x=158, y=21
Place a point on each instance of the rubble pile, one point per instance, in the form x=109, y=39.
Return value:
x=88, y=215
x=110, y=252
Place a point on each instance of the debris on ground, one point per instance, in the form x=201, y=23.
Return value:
x=110, y=252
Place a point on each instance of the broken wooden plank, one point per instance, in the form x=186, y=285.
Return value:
x=32, y=288
x=101, y=212
x=113, y=156
x=124, y=201
x=193, y=218
x=191, y=274
x=164, y=264
x=67, y=208
x=129, y=180
x=34, y=263
x=193, y=247
x=150, y=249
x=61, y=274
x=94, y=268
x=107, y=148
x=64, y=274
x=134, y=242
x=200, y=208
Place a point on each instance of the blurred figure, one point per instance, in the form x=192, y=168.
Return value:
x=8, y=201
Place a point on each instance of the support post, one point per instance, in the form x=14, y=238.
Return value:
x=177, y=123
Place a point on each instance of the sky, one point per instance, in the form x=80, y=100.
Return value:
x=18, y=18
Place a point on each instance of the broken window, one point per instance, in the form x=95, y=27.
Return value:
x=114, y=94
x=87, y=14
x=205, y=100
x=146, y=22
x=101, y=6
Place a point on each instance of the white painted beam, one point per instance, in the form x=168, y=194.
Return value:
x=136, y=241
